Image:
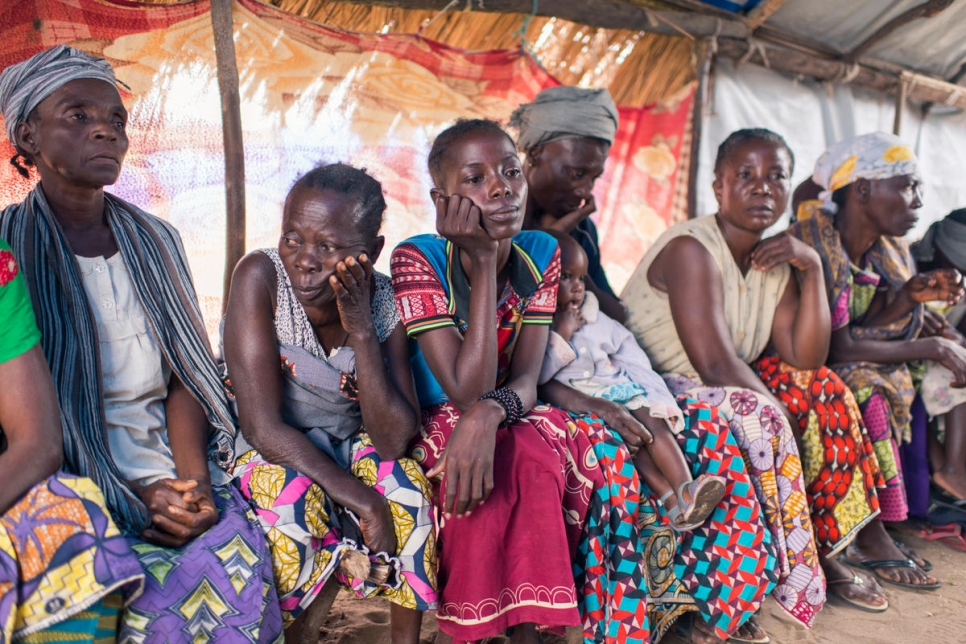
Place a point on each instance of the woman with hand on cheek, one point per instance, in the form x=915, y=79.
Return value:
x=515, y=478
x=318, y=364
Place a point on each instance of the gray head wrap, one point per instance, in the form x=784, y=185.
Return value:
x=24, y=85
x=565, y=113
x=948, y=235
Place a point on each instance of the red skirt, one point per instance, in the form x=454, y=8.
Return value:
x=510, y=561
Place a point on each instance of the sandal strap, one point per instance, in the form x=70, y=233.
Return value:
x=666, y=496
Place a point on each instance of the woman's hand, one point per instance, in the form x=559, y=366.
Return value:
x=458, y=219
x=467, y=461
x=567, y=321
x=945, y=285
x=571, y=220
x=375, y=521
x=933, y=324
x=618, y=418
x=784, y=248
x=951, y=355
x=180, y=511
x=352, y=283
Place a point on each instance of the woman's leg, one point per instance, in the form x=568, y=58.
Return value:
x=404, y=624
x=951, y=476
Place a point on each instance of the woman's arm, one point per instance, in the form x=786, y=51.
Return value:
x=387, y=394
x=30, y=418
x=949, y=353
x=616, y=416
x=251, y=353
x=466, y=366
x=802, y=327
x=941, y=285
x=693, y=282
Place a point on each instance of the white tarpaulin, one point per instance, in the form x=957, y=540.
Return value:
x=812, y=116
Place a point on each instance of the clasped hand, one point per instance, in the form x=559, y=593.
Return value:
x=943, y=285
x=180, y=511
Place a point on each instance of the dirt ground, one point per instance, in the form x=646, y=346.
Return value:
x=937, y=617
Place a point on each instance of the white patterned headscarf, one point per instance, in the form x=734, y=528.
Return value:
x=23, y=86
x=870, y=156
x=565, y=113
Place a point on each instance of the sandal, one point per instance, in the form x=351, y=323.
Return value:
x=925, y=566
x=873, y=566
x=738, y=639
x=855, y=603
x=950, y=536
x=705, y=493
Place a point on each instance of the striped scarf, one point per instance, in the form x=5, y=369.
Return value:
x=153, y=253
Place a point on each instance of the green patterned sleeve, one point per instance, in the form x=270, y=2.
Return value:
x=18, y=329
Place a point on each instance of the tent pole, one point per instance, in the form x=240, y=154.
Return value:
x=902, y=93
x=221, y=22
x=705, y=55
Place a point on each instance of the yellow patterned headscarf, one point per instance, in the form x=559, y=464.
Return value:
x=870, y=156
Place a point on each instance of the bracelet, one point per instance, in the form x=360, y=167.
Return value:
x=510, y=401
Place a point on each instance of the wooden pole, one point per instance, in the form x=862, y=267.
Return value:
x=705, y=57
x=221, y=22
x=763, y=12
x=901, y=97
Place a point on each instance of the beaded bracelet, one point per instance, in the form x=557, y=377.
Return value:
x=510, y=401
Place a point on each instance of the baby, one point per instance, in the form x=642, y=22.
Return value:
x=593, y=354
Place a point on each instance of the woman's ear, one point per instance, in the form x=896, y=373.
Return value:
x=26, y=139
x=716, y=187
x=862, y=188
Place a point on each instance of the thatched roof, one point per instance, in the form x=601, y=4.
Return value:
x=642, y=49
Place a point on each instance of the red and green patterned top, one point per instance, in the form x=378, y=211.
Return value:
x=18, y=329
x=433, y=292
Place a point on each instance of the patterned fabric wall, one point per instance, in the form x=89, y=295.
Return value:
x=312, y=94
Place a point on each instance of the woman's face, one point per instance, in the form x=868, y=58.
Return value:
x=76, y=136
x=892, y=204
x=753, y=184
x=484, y=167
x=561, y=174
x=318, y=232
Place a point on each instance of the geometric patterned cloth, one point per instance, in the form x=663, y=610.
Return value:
x=216, y=588
x=609, y=568
x=765, y=438
x=724, y=568
x=840, y=467
x=308, y=534
x=60, y=553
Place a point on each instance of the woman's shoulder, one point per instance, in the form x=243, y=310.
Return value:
x=540, y=246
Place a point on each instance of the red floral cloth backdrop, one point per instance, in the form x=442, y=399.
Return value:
x=312, y=94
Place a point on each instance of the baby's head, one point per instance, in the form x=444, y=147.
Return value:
x=573, y=272
x=476, y=159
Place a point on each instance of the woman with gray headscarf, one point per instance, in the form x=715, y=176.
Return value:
x=144, y=412
x=566, y=133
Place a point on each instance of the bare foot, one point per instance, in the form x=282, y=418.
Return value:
x=874, y=544
x=952, y=482
x=854, y=587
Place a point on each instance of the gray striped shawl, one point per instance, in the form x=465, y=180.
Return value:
x=159, y=270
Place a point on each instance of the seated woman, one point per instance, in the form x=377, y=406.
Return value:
x=478, y=300
x=318, y=364
x=872, y=184
x=34, y=606
x=942, y=249
x=145, y=414
x=758, y=293
x=566, y=133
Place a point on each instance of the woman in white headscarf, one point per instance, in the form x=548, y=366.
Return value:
x=870, y=200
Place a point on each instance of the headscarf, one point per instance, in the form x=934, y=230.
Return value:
x=948, y=235
x=24, y=85
x=565, y=113
x=870, y=156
